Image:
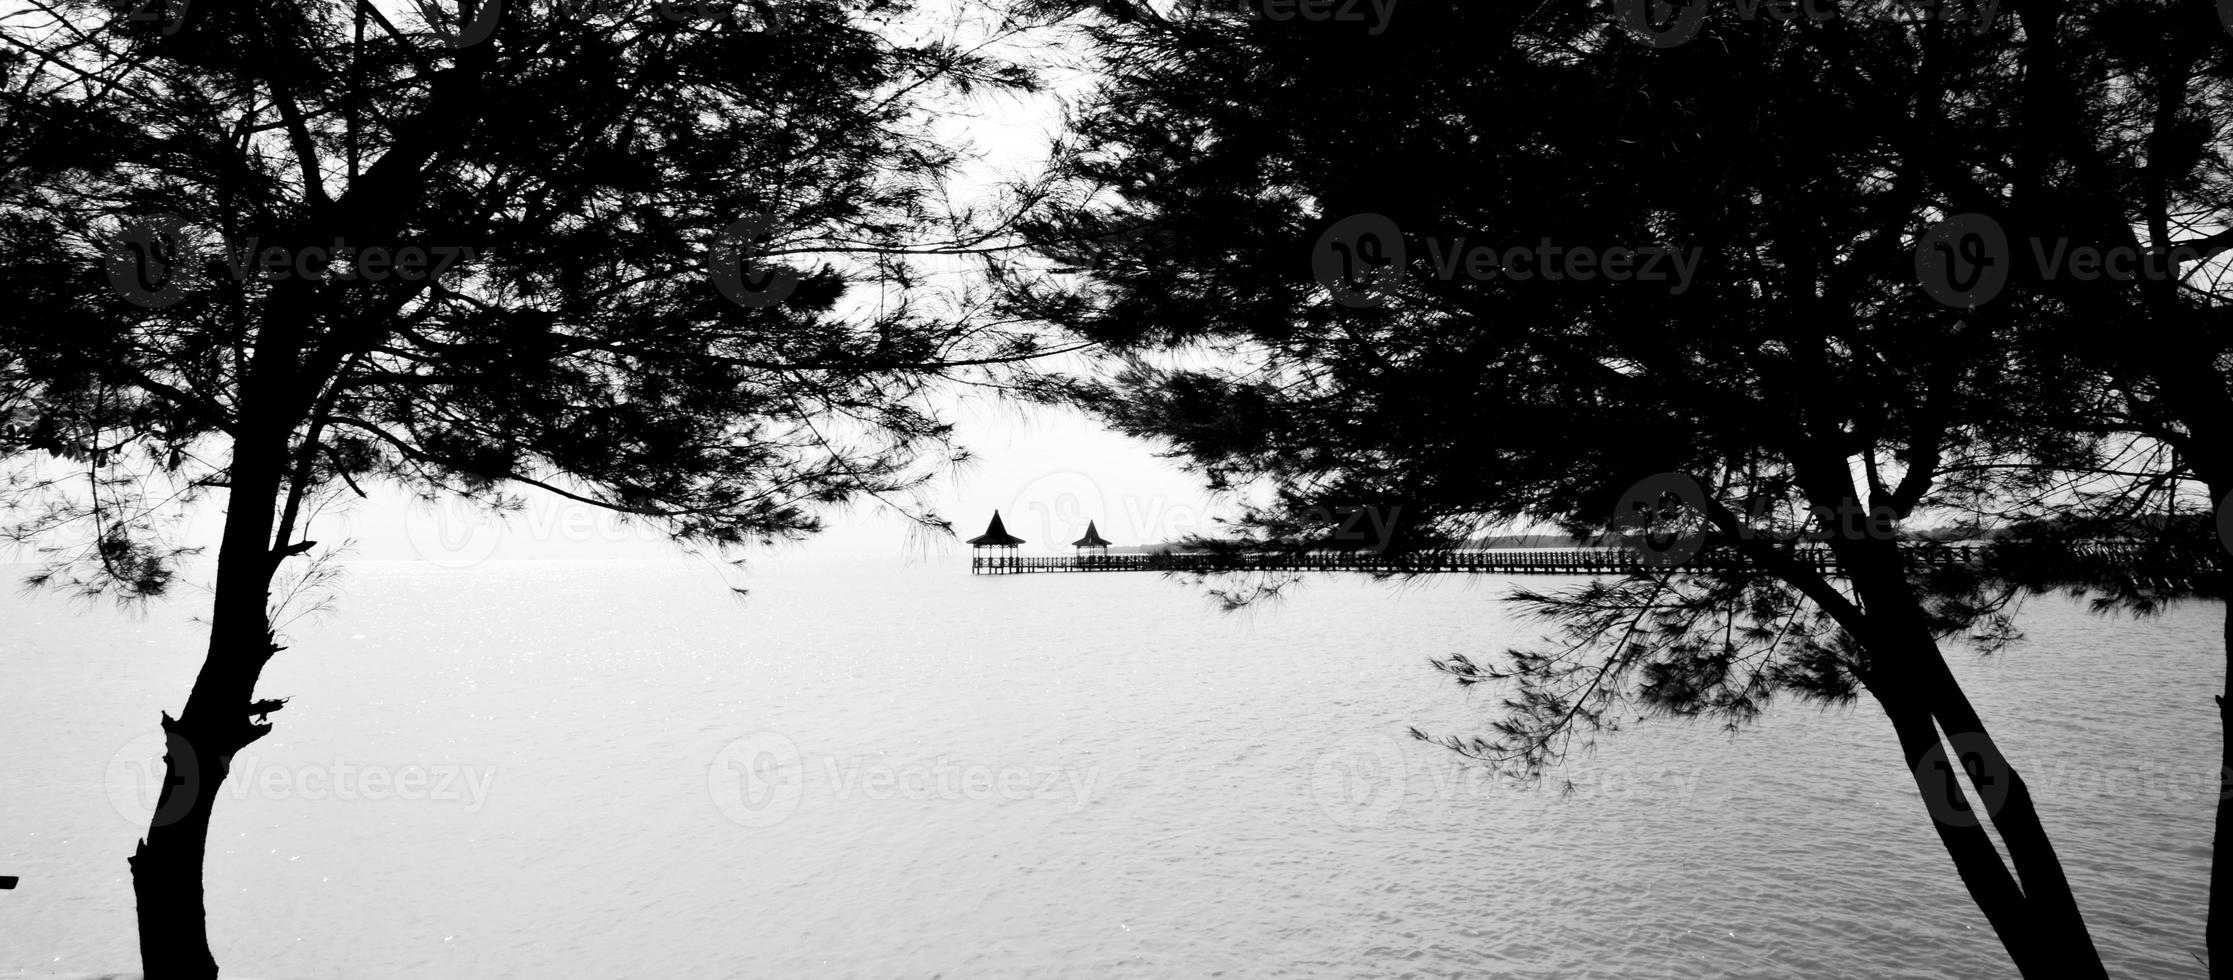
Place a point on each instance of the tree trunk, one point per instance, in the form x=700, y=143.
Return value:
x=1990, y=885
x=167, y=865
x=2217, y=935
x=1910, y=675
x=2047, y=892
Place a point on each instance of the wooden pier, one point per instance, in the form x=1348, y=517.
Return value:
x=1541, y=561
x=2169, y=565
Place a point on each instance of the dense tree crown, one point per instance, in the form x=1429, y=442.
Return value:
x=602, y=251
x=1711, y=277
x=661, y=258
x=1675, y=268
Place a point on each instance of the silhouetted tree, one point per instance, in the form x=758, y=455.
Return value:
x=280, y=249
x=2092, y=140
x=1302, y=196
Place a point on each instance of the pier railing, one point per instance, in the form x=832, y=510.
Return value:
x=1542, y=561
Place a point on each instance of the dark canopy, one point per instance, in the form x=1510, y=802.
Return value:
x=996, y=534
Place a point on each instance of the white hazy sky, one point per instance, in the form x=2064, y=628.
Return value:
x=1047, y=471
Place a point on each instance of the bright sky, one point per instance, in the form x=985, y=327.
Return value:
x=1047, y=474
x=1047, y=471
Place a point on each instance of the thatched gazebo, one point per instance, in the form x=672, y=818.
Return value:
x=1092, y=539
x=996, y=536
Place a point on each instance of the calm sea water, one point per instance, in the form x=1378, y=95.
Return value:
x=616, y=769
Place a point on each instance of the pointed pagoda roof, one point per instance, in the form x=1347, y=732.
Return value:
x=1092, y=539
x=996, y=534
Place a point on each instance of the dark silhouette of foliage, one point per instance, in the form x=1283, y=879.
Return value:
x=671, y=266
x=1806, y=377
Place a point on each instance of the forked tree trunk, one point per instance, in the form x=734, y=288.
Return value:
x=1979, y=865
x=2035, y=911
x=2047, y=894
